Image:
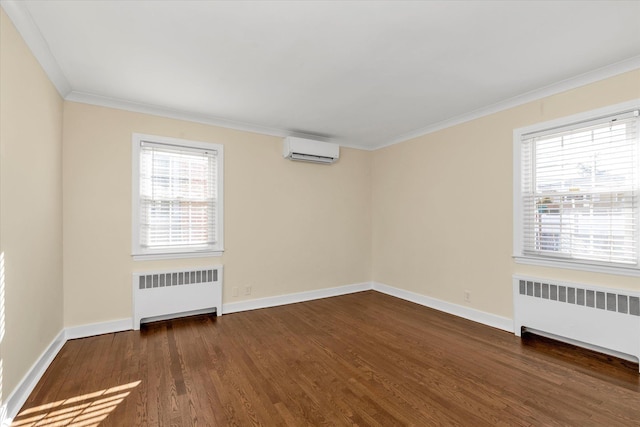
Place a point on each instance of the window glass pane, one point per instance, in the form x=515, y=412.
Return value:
x=580, y=193
x=177, y=197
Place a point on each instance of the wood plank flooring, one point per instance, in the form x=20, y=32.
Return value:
x=364, y=359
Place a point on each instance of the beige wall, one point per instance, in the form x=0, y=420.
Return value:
x=30, y=208
x=289, y=226
x=442, y=204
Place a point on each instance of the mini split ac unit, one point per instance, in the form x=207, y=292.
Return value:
x=307, y=150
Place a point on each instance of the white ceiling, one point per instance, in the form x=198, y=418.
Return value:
x=362, y=73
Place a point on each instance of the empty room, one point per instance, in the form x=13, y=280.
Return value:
x=305, y=213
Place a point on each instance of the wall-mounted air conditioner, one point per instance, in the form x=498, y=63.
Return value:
x=307, y=150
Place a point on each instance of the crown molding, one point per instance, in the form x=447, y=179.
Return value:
x=612, y=70
x=23, y=21
x=155, y=110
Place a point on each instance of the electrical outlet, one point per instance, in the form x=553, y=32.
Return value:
x=247, y=290
x=467, y=296
x=234, y=291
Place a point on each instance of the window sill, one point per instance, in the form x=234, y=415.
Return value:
x=577, y=265
x=176, y=255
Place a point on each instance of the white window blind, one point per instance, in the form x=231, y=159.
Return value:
x=579, y=191
x=177, y=197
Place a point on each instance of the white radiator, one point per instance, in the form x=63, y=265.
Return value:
x=174, y=293
x=602, y=318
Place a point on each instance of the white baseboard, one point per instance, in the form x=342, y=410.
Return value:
x=92, y=329
x=485, y=318
x=275, y=301
x=447, y=307
x=20, y=394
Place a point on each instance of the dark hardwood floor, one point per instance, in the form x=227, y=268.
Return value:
x=362, y=359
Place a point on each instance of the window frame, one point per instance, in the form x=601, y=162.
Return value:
x=138, y=252
x=519, y=254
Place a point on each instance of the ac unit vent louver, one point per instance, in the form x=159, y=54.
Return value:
x=307, y=150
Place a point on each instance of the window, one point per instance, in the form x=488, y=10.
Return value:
x=576, y=192
x=177, y=198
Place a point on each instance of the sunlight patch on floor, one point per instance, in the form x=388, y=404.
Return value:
x=86, y=410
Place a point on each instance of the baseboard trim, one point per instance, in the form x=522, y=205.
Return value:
x=20, y=394
x=101, y=328
x=236, y=307
x=472, y=314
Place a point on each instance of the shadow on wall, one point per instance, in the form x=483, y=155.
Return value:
x=3, y=405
